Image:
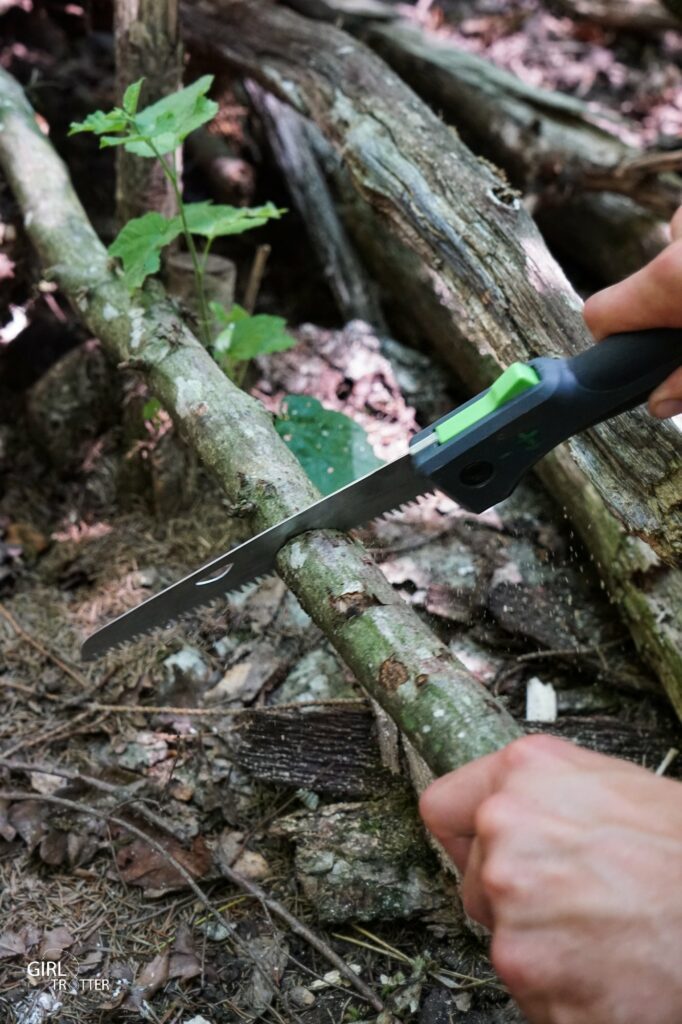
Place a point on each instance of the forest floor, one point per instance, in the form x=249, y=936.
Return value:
x=98, y=512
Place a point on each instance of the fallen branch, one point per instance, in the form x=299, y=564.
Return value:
x=447, y=714
x=457, y=249
x=287, y=134
x=630, y=15
x=554, y=147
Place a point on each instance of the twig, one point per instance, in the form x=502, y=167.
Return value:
x=28, y=690
x=303, y=932
x=122, y=794
x=256, y=277
x=38, y=646
x=80, y=808
x=569, y=652
x=667, y=761
x=649, y=163
x=51, y=734
x=165, y=709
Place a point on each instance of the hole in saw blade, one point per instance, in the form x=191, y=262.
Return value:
x=216, y=578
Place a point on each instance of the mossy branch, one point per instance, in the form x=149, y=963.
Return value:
x=481, y=285
x=445, y=712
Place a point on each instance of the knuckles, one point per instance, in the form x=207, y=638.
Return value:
x=513, y=964
x=528, y=750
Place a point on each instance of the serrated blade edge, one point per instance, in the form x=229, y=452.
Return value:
x=377, y=492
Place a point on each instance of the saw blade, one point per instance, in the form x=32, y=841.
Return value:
x=378, y=492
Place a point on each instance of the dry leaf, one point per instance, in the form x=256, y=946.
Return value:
x=184, y=962
x=27, y=817
x=151, y=978
x=44, y=783
x=140, y=864
x=12, y=944
x=54, y=943
x=7, y=832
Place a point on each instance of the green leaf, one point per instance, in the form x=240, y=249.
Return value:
x=169, y=121
x=150, y=408
x=131, y=97
x=139, y=243
x=245, y=336
x=99, y=123
x=213, y=221
x=119, y=140
x=332, y=448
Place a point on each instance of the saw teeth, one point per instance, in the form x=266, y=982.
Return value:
x=185, y=617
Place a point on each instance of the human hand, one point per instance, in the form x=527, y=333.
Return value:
x=652, y=297
x=574, y=860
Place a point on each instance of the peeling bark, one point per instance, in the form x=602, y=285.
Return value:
x=451, y=719
x=473, y=256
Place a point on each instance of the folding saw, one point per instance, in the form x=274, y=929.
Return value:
x=476, y=454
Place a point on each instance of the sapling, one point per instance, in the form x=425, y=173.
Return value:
x=332, y=448
x=157, y=132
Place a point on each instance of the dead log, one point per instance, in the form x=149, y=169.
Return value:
x=325, y=749
x=449, y=717
x=334, y=750
x=287, y=135
x=472, y=254
x=540, y=138
x=147, y=46
x=552, y=146
x=629, y=15
x=606, y=235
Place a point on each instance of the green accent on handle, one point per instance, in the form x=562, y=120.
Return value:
x=516, y=379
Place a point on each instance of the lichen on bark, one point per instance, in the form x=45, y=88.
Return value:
x=234, y=436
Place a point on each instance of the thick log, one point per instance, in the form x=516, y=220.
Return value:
x=540, y=138
x=649, y=594
x=328, y=750
x=147, y=46
x=607, y=236
x=447, y=715
x=629, y=15
x=479, y=261
x=334, y=750
x=550, y=145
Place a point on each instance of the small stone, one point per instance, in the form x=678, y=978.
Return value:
x=301, y=996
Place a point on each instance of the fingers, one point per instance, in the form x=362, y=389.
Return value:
x=667, y=399
x=450, y=805
x=474, y=898
x=649, y=298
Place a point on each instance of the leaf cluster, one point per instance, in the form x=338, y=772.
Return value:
x=158, y=129
x=332, y=448
x=140, y=242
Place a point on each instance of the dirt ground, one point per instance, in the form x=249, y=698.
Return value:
x=186, y=737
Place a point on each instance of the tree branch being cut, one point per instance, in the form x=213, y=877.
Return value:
x=472, y=257
x=447, y=715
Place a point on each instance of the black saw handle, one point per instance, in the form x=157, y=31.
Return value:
x=484, y=463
